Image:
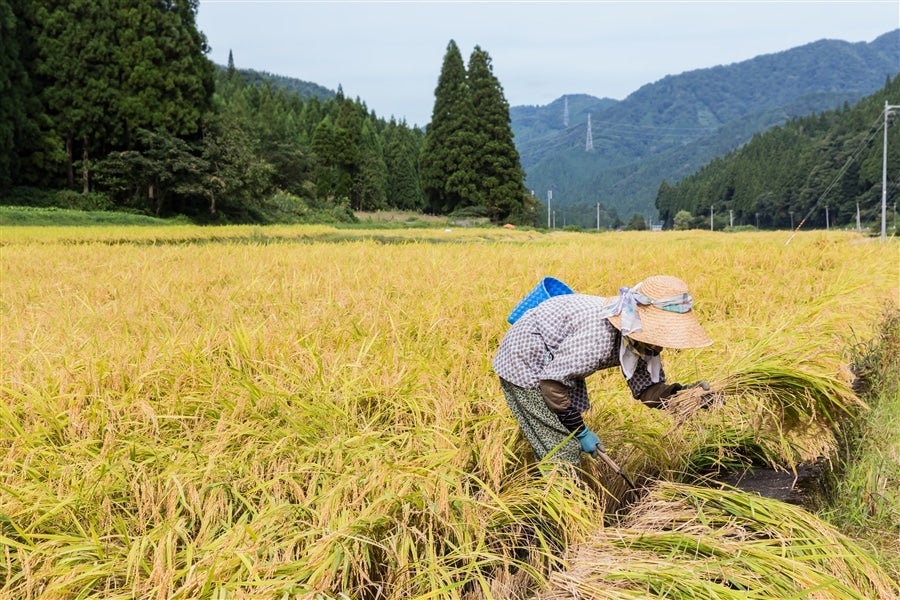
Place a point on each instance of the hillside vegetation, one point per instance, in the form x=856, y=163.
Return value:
x=668, y=129
x=790, y=174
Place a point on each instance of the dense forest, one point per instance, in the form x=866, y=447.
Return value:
x=115, y=106
x=822, y=169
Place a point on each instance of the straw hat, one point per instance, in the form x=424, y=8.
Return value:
x=661, y=327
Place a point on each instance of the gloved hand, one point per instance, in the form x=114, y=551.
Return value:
x=654, y=395
x=590, y=443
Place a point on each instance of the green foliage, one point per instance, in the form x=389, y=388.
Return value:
x=305, y=89
x=13, y=90
x=791, y=173
x=867, y=487
x=497, y=164
x=224, y=140
x=238, y=176
x=401, y=156
x=90, y=201
x=28, y=196
x=636, y=223
x=448, y=176
x=165, y=166
x=166, y=81
x=469, y=158
x=138, y=65
x=371, y=188
x=683, y=220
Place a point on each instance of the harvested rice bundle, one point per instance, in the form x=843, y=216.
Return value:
x=684, y=404
x=689, y=542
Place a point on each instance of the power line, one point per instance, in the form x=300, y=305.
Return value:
x=837, y=177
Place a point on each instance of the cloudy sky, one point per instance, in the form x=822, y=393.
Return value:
x=389, y=53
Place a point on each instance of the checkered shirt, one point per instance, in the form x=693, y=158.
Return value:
x=564, y=339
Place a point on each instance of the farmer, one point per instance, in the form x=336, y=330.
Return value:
x=548, y=352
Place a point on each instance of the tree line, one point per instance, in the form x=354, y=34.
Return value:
x=115, y=105
x=823, y=169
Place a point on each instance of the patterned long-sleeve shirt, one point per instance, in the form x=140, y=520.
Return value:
x=564, y=339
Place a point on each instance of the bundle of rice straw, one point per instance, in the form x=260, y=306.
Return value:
x=684, y=404
x=687, y=542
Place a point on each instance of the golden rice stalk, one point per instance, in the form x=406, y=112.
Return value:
x=684, y=542
x=685, y=404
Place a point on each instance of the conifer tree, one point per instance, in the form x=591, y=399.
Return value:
x=167, y=84
x=497, y=165
x=371, y=182
x=12, y=92
x=108, y=69
x=404, y=189
x=79, y=96
x=447, y=165
x=323, y=147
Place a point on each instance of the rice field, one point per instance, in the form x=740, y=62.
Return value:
x=304, y=412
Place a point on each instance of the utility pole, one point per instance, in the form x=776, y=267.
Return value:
x=598, y=216
x=710, y=217
x=858, y=224
x=730, y=217
x=887, y=111
x=827, y=227
x=549, y=198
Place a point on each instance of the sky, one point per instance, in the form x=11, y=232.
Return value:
x=389, y=53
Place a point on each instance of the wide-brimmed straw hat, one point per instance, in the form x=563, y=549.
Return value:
x=665, y=324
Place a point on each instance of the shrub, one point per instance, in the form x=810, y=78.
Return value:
x=683, y=220
x=27, y=196
x=82, y=201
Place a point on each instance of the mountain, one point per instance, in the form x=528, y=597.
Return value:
x=826, y=168
x=666, y=130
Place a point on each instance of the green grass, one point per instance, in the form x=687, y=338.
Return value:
x=32, y=216
x=867, y=491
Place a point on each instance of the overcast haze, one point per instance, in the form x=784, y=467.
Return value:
x=389, y=54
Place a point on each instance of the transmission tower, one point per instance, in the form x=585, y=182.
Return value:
x=589, y=142
x=565, y=111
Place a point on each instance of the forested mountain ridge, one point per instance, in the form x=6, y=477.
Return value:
x=304, y=89
x=668, y=129
x=536, y=122
x=821, y=170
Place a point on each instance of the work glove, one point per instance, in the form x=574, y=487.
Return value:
x=590, y=443
x=654, y=395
